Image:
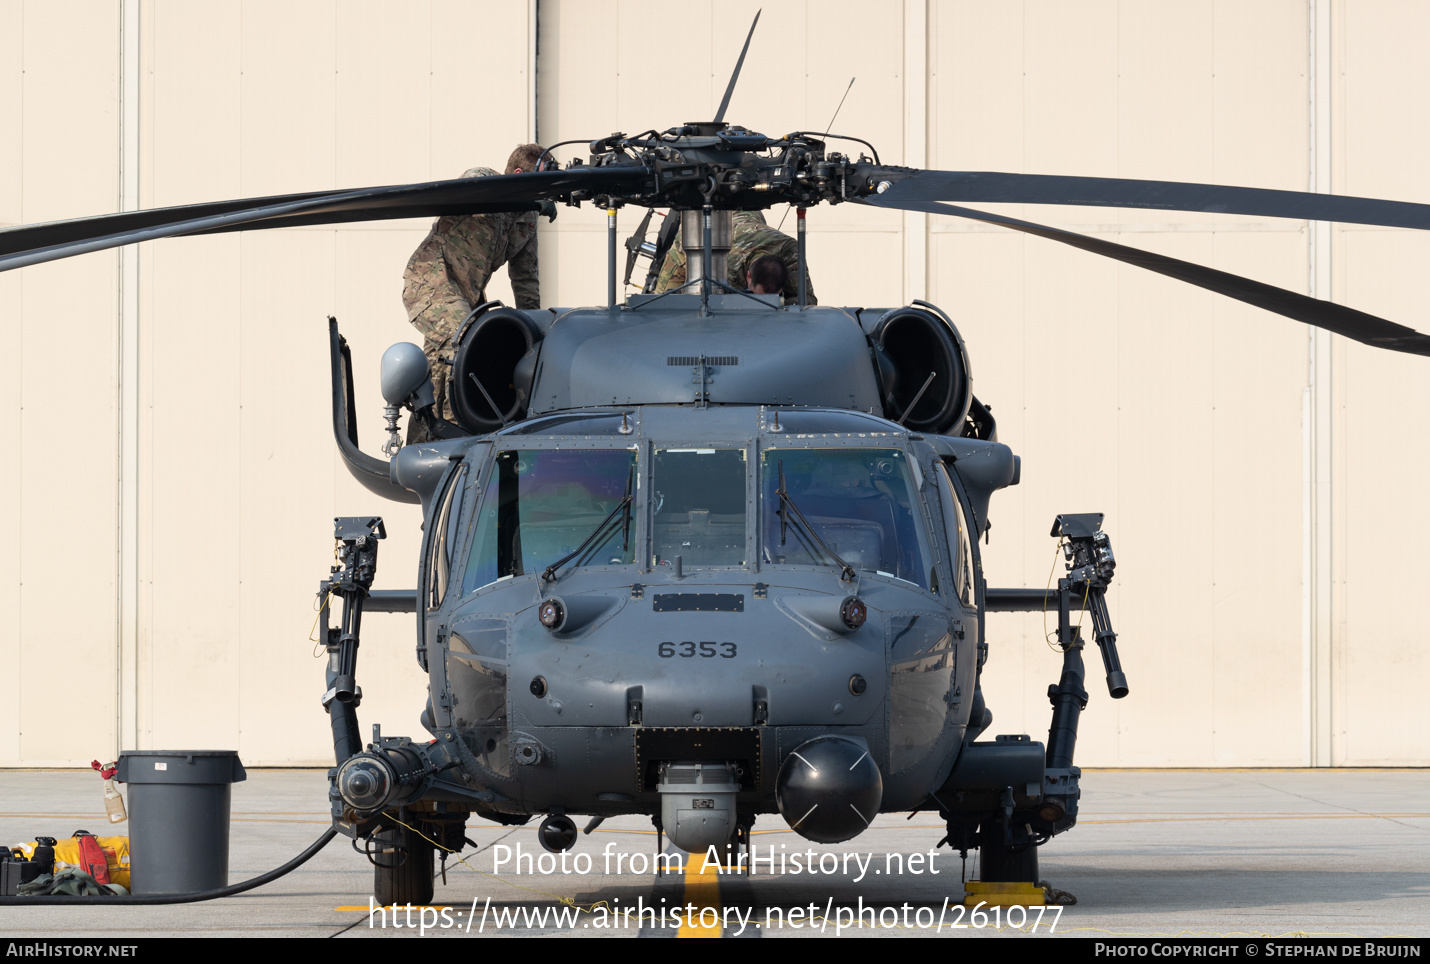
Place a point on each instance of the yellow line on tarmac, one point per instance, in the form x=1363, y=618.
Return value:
x=702, y=890
x=1228, y=817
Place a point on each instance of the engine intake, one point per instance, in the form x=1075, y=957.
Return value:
x=491, y=347
x=911, y=344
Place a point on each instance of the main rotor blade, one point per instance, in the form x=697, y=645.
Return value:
x=1366, y=328
x=33, y=244
x=730, y=88
x=995, y=187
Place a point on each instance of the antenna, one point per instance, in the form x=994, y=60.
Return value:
x=725, y=102
x=828, y=127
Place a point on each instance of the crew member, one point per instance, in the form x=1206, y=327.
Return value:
x=750, y=239
x=767, y=275
x=448, y=273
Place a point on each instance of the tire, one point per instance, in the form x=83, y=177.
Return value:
x=405, y=867
x=1001, y=863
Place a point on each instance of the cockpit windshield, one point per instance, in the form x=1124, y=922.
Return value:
x=861, y=502
x=698, y=509
x=854, y=506
x=540, y=505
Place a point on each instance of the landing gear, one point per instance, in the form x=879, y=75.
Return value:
x=1012, y=864
x=735, y=855
x=403, y=867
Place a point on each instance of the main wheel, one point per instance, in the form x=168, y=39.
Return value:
x=404, y=867
x=1014, y=864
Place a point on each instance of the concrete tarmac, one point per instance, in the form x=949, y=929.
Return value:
x=1156, y=853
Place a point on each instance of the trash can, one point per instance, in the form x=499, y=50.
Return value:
x=178, y=818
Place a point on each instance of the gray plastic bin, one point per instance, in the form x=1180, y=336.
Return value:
x=178, y=818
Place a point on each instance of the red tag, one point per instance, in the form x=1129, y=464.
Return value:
x=91, y=858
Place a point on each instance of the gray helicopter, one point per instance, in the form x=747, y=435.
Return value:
x=699, y=555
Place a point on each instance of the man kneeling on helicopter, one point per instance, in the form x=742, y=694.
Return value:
x=767, y=276
x=751, y=239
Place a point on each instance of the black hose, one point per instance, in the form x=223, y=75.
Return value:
x=50, y=900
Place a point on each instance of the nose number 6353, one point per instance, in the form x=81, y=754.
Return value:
x=706, y=650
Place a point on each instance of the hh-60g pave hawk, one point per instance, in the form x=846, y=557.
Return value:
x=700, y=555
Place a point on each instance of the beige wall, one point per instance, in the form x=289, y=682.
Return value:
x=60, y=81
x=1260, y=484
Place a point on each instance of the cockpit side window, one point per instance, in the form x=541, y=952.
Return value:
x=444, y=539
x=541, y=504
x=962, y=561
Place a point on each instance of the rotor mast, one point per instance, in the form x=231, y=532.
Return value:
x=692, y=239
x=705, y=234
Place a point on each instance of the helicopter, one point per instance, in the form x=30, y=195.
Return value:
x=821, y=568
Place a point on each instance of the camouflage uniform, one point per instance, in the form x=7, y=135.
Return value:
x=448, y=273
x=751, y=239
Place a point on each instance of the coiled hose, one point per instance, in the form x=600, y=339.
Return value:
x=298, y=861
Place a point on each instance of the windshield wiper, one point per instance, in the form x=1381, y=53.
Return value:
x=625, y=504
x=846, y=571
